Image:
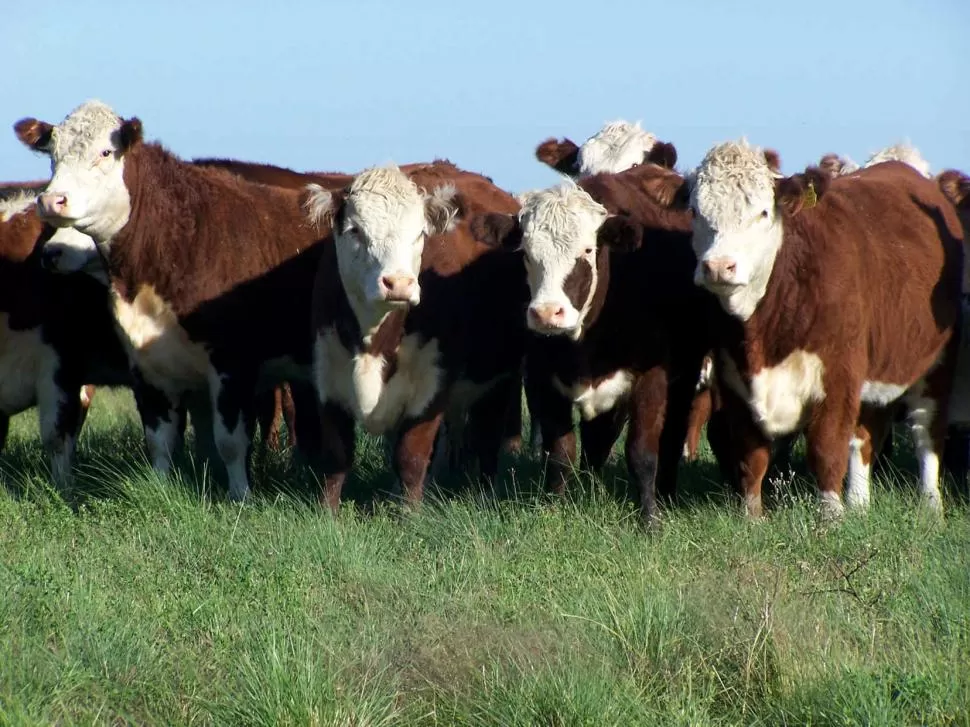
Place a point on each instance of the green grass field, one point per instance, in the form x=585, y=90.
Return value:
x=157, y=602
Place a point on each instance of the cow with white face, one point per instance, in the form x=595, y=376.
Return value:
x=618, y=146
x=408, y=329
x=808, y=266
x=206, y=270
x=901, y=152
x=620, y=329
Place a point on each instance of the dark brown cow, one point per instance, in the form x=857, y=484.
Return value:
x=620, y=328
x=844, y=299
x=415, y=321
x=56, y=337
x=211, y=273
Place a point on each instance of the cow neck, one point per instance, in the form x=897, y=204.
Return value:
x=783, y=314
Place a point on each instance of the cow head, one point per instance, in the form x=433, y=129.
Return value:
x=837, y=166
x=902, y=152
x=739, y=202
x=563, y=234
x=379, y=225
x=68, y=250
x=87, y=189
x=616, y=147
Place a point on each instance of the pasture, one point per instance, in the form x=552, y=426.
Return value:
x=158, y=602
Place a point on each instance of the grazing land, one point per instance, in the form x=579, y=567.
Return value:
x=158, y=602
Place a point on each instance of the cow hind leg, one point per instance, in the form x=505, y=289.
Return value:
x=160, y=422
x=869, y=436
x=828, y=438
x=59, y=411
x=700, y=413
x=929, y=434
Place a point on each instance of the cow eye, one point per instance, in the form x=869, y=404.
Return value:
x=589, y=250
x=106, y=153
x=764, y=214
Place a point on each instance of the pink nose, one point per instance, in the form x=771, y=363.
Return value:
x=547, y=314
x=720, y=270
x=51, y=205
x=398, y=288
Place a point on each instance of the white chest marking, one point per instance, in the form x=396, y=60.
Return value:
x=26, y=362
x=779, y=394
x=158, y=345
x=595, y=400
x=357, y=381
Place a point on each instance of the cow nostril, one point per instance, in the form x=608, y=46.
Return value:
x=559, y=312
x=388, y=282
x=731, y=268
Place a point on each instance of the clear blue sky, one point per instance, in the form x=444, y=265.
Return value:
x=345, y=85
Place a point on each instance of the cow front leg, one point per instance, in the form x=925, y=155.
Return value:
x=648, y=403
x=231, y=394
x=700, y=412
x=827, y=440
x=59, y=414
x=870, y=433
x=598, y=435
x=161, y=422
x=555, y=419
x=337, y=445
x=413, y=454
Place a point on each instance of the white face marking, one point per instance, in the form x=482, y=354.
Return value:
x=595, y=400
x=902, y=152
x=617, y=146
x=88, y=171
x=232, y=444
x=158, y=345
x=737, y=232
x=559, y=227
x=858, y=477
x=17, y=202
x=71, y=251
x=357, y=382
x=380, y=238
x=779, y=395
x=921, y=412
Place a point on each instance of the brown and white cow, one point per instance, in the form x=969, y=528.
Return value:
x=620, y=330
x=414, y=320
x=210, y=274
x=56, y=337
x=844, y=295
x=618, y=146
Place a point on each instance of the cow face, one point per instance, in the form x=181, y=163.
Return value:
x=379, y=226
x=559, y=232
x=87, y=189
x=737, y=229
x=618, y=146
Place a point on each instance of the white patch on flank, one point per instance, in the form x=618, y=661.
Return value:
x=778, y=395
x=158, y=345
x=903, y=152
x=382, y=233
x=881, y=394
x=619, y=145
x=98, y=202
x=595, y=400
x=858, y=477
x=356, y=382
x=921, y=412
x=16, y=202
x=232, y=444
x=559, y=227
x=735, y=220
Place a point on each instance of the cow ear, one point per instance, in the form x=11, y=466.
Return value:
x=955, y=186
x=442, y=208
x=620, y=233
x=662, y=154
x=130, y=133
x=563, y=156
x=497, y=230
x=34, y=134
x=773, y=160
x=801, y=191
x=322, y=206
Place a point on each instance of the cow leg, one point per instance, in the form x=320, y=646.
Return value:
x=784, y=447
x=554, y=414
x=956, y=455
x=495, y=424
x=597, y=437
x=338, y=442
x=59, y=411
x=87, y=396
x=4, y=429
x=700, y=413
x=928, y=425
x=827, y=438
x=413, y=454
x=304, y=429
x=233, y=438
x=269, y=416
x=869, y=436
x=160, y=421
x=680, y=395
x=535, y=430
x=648, y=405
x=720, y=441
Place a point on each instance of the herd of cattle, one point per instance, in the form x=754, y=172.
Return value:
x=419, y=301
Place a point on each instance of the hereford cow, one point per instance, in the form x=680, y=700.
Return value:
x=57, y=337
x=618, y=146
x=835, y=165
x=620, y=331
x=844, y=295
x=210, y=274
x=414, y=320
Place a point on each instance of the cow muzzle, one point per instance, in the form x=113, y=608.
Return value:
x=720, y=271
x=52, y=207
x=399, y=289
x=548, y=318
